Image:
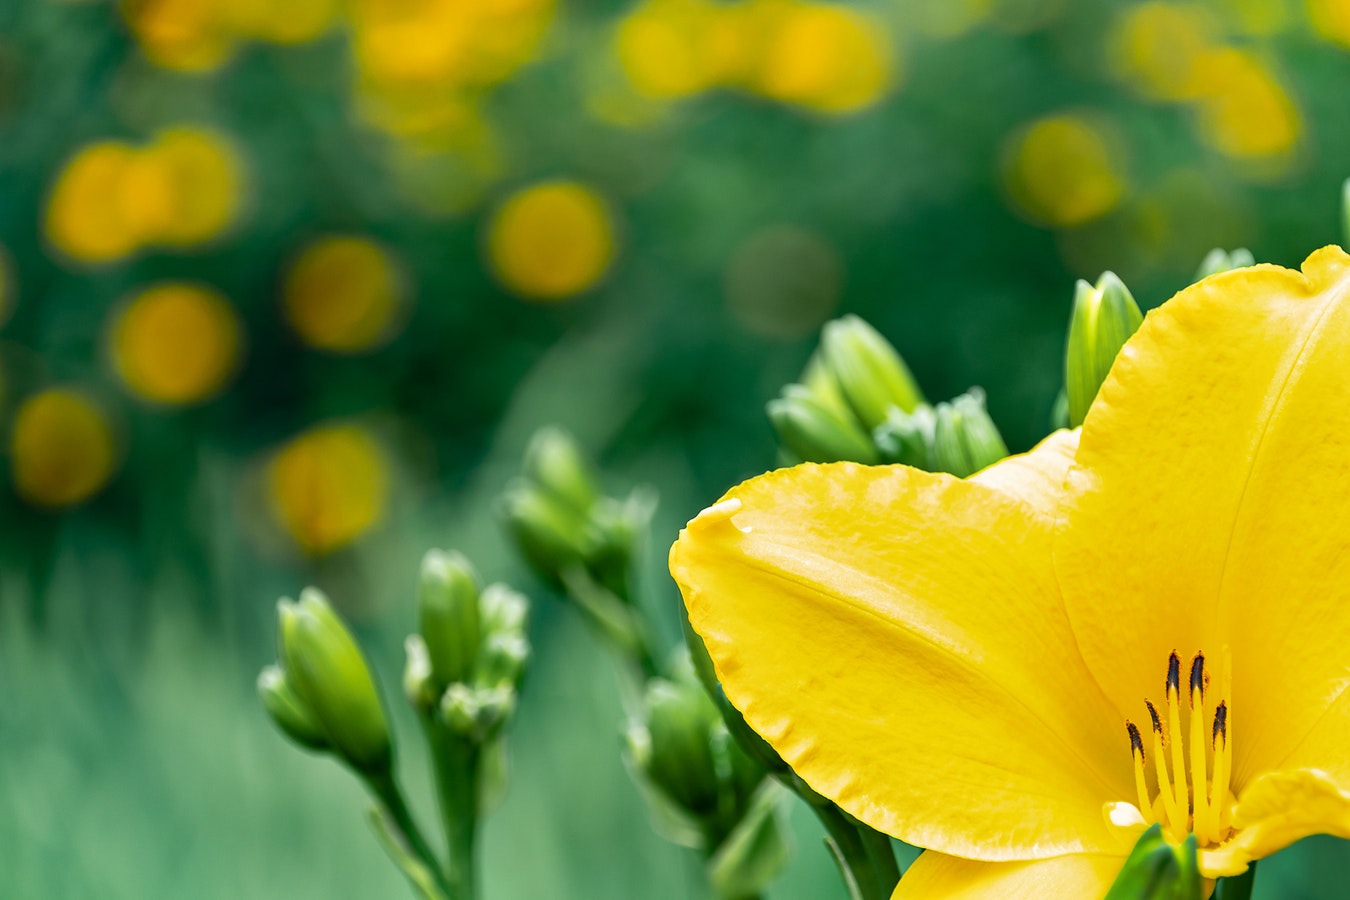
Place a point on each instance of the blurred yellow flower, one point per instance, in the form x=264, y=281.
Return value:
x=344, y=294
x=1061, y=172
x=826, y=57
x=1157, y=47
x=112, y=198
x=1331, y=20
x=551, y=241
x=176, y=343
x=292, y=22
x=186, y=35
x=329, y=486
x=85, y=218
x=1243, y=110
x=62, y=448
x=664, y=47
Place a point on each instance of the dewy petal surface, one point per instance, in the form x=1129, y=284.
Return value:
x=1210, y=505
x=1079, y=876
x=898, y=637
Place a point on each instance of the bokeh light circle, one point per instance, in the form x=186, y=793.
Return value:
x=61, y=447
x=176, y=343
x=551, y=241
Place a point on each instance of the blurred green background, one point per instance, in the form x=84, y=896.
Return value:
x=286, y=287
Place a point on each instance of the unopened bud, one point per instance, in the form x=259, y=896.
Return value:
x=448, y=614
x=965, y=439
x=816, y=433
x=328, y=673
x=907, y=437
x=554, y=463
x=1220, y=260
x=1104, y=316
x=418, y=685
x=1159, y=870
x=870, y=373
x=551, y=536
x=477, y=713
x=505, y=611
x=288, y=711
x=680, y=719
x=502, y=660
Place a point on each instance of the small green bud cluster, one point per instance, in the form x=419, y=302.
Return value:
x=678, y=743
x=1103, y=319
x=1159, y=870
x=562, y=522
x=956, y=436
x=1220, y=260
x=467, y=659
x=322, y=694
x=852, y=384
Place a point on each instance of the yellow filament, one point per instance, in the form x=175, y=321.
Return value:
x=1169, y=799
x=1178, y=756
x=1223, y=754
x=1198, y=785
x=1141, y=785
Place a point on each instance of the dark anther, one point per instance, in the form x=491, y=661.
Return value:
x=1220, y=723
x=1173, y=673
x=1157, y=723
x=1136, y=742
x=1198, y=675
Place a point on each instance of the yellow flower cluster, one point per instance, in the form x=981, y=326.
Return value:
x=820, y=56
x=200, y=35
x=113, y=198
x=551, y=241
x=1171, y=52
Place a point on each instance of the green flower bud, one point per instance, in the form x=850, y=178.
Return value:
x=814, y=432
x=448, y=614
x=907, y=437
x=678, y=756
x=554, y=463
x=288, y=711
x=819, y=380
x=965, y=439
x=504, y=611
x=1158, y=870
x=502, y=661
x=1220, y=260
x=477, y=713
x=551, y=536
x=418, y=684
x=330, y=676
x=1103, y=319
x=871, y=374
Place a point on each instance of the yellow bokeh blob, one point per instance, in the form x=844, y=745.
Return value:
x=1158, y=46
x=176, y=343
x=62, y=449
x=1244, y=112
x=829, y=58
x=1060, y=171
x=344, y=294
x=185, y=35
x=329, y=486
x=111, y=198
x=551, y=241
x=1331, y=20
x=664, y=47
x=203, y=182
x=292, y=22
x=85, y=216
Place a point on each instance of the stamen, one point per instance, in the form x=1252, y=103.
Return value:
x=1198, y=781
x=1174, y=729
x=1169, y=799
x=1140, y=782
x=1223, y=741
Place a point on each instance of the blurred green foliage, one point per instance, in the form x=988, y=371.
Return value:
x=285, y=288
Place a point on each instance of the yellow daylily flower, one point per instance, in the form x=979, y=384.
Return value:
x=1146, y=622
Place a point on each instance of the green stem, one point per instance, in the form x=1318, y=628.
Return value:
x=881, y=855
x=1237, y=887
x=387, y=791
x=851, y=852
x=456, y=761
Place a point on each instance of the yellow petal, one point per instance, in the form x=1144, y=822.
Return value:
x=1209, y=504
x=1035, y=478
x=937, y=877
x=1276, y=810
x=898, y=637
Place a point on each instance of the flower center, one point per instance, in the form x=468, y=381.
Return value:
x=1193, y=794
